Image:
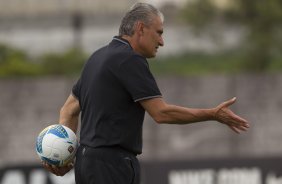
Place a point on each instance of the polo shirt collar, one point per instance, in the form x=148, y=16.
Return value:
x=121, y=40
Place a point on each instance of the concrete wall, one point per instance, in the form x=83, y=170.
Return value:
x=29, y=105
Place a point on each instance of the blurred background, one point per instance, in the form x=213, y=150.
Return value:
x=214, y=50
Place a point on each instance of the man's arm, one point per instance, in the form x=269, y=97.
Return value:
x=69, y=113
x=162, y=112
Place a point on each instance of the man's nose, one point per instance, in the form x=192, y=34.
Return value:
x=161, y=42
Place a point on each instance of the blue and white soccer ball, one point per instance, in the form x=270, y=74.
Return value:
x=56, y=144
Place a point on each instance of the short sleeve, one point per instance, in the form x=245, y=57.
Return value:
x=135, y=75
x=76, y=89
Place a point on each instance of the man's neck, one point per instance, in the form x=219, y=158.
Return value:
x=133, y=43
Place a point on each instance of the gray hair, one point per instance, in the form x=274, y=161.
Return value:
x=138, y=12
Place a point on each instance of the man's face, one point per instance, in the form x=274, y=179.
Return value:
x=152, y=38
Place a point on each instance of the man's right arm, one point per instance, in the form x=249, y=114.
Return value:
x=69, y=113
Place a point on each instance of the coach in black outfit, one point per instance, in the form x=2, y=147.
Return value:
x=112, y=94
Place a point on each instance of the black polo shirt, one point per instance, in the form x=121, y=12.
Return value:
x=112, y=82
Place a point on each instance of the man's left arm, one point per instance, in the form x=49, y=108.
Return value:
x=164, y=113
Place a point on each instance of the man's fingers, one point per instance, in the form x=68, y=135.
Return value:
x=234, y=129
x=59, y=171
x=48, y=167
x=240, y=121
x=230, y=102
x=237, y=127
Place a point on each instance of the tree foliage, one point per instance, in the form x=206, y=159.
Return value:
x=16, y=63
x=261, y=18
x=67, y=63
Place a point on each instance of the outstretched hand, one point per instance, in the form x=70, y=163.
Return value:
x=224, y=115
x=59, y=171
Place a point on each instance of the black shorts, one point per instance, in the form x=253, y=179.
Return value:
x=107, y=165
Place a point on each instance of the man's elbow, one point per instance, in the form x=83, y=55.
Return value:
x=160, y=119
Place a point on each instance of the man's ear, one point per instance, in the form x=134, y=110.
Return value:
x=140, y=28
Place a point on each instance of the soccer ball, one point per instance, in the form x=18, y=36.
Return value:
x=56, y=144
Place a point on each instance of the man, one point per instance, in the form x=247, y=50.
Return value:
x=115, y=89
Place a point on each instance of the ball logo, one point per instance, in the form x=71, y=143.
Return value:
x=70, y=149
